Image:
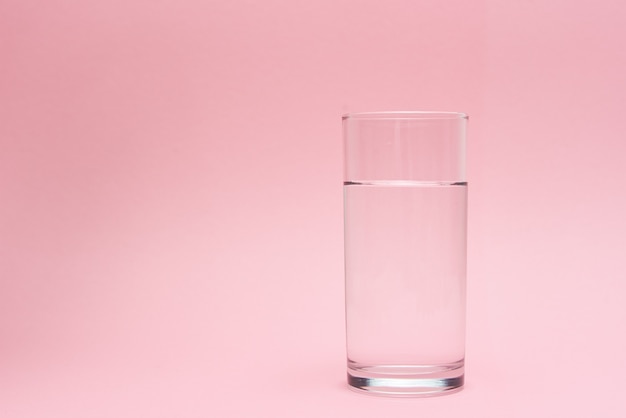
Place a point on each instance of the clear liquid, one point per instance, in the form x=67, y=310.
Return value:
x=405, y=250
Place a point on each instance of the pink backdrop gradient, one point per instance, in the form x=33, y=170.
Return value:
x=171, y=204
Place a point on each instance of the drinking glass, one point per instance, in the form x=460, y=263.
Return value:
x=405, y=206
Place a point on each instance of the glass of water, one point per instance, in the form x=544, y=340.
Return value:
x=405, y=211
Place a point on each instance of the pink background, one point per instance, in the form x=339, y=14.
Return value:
x=171, y=204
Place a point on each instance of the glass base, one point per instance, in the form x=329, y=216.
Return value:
x=406, y=380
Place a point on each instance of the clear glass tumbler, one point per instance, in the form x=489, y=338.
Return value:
x=405, y=209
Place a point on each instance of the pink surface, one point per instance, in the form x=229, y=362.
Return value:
x=171, y=204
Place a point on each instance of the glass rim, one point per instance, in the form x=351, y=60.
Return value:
x=408, y=114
